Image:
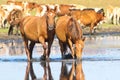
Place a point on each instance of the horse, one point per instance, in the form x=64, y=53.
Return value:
x=2, y=17
x=38, y=30
x=13, y=19
x=88, y=17
x=68, y=32
x=63, y=9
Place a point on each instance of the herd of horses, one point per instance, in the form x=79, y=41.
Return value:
x=64, y=21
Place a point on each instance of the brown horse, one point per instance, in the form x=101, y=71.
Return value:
x=14, y=19
x=69, y=32
x=38, y=30
x=88, y=17
x=63, y=9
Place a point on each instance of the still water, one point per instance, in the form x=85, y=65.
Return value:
x=100, y=61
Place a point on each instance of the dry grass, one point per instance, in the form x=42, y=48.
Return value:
x=88, y=3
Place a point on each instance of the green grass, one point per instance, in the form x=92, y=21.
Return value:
x=2, y=30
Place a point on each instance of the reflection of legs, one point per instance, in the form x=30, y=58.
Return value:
x=29, y=69
x=79, y=71
x=64, y=71
x=33, y=76
x=43, y=64
x=49, y=72
x=71, y=73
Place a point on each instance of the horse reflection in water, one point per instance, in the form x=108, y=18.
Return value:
x=30, y=70
x=75, y=73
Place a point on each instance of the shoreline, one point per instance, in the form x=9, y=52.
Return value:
x=102, y=31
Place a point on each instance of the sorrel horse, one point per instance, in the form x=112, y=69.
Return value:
x=69, y=32
x=88, y=17
x=63, y=9
x=14, y=19
x=38, y=30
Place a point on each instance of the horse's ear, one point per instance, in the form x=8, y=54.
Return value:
x=48, y=9
x=55, y=9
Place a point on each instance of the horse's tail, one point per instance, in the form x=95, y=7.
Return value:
x=74, y=29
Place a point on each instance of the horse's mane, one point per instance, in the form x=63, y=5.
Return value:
x=74, y=29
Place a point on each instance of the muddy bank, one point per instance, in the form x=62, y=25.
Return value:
x=100, y=31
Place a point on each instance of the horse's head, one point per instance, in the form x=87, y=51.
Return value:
x=51, y=14
x=79, y=45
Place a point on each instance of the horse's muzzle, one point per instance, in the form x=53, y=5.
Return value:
x=51, y=27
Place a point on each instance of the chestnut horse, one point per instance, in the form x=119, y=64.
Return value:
x=69, y=32
x=38, y=30
x=88, y=17
x=13, y=19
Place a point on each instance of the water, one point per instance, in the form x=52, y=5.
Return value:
x=100, y=61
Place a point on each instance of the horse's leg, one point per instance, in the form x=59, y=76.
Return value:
x=50, y=41
x=71, y=47
x=10, y=30
x=31, y=46
x=63, y=48
x=5, y=22
x=26, y=48
x=42, y=41
x=16, y=26
x=91, y=28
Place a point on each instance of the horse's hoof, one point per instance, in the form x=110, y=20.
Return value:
x=68, y=56
x=43, y=57
x=47, y=59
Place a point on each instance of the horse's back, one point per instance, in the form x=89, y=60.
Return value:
x=61, y=27
x=33, y=27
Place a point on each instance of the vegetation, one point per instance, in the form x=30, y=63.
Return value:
x=87, y=3
x=2, y=30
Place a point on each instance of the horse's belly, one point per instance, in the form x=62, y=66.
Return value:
x=32, y=37
x=61, y=37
